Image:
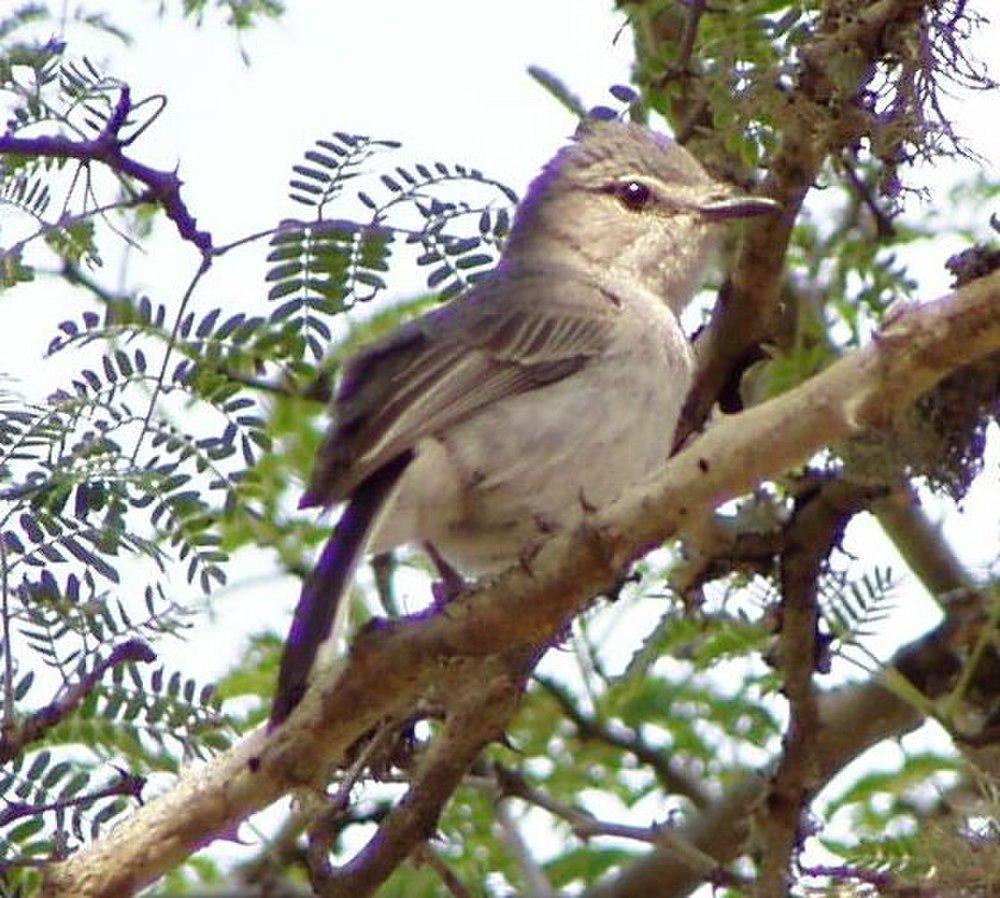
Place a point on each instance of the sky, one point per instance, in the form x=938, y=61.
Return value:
x=446, y=78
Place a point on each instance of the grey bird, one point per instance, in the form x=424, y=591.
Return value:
x=537, y=396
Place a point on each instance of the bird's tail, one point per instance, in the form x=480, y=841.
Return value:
x=320, y=600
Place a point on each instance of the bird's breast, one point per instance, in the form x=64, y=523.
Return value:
x=537, y=462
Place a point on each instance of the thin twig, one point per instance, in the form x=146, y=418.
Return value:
x=126, y=784
x=586, y=826
x=536, y=882
x=670, y=778
x=65, y=222
x=884, y=228
x=696, y=9
x=206, y=263
x=456, y=888
x=242, y=241
x=8, y=659
x=14, y=739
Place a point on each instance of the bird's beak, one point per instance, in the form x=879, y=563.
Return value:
x=739, y=205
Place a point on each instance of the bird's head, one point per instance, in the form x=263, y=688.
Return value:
x=630, y=204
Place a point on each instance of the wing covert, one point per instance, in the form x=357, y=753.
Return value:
x=507, y=336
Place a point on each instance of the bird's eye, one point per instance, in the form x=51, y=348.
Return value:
x=633, y=195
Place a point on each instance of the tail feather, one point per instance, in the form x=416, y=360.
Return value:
x=321, y=594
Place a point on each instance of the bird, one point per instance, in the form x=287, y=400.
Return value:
x=533, y=399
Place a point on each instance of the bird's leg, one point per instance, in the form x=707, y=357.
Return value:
x=451, y=583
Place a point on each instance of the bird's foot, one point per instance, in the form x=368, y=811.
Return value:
x=547, y=527
x=526, y=556
x=451, y=583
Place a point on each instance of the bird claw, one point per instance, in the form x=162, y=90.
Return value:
x=451, y=584
x=447, y=590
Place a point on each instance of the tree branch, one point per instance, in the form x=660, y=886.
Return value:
x=920, y=543
x=535, y=881
x=161, y=186
x=449, y=879
x=393, y=663
x=590, y=728
x=16, y=736
x=851, y=720
x=483, y=696
x=586, y=826
x=824, y=118
x=815, y=528
x=125, y=784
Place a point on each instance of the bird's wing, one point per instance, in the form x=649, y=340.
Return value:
x=508, y=336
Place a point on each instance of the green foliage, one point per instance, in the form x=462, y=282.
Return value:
x=51, y=91
x=240, y=14
x=321, y=269
x=852, y=608
x=411, y=881
x=188, y=426
x=159, y=456
x=107, y=492
x=878, y=797
x=897, y=855
x=585, y=865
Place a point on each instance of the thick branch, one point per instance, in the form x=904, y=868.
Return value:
x=479, y=714
x=824, y=117
x=390, y=665
x=816, y=527
x=851, y=720
x=921, y=544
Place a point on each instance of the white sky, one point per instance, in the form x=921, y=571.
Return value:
x=448, y=79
